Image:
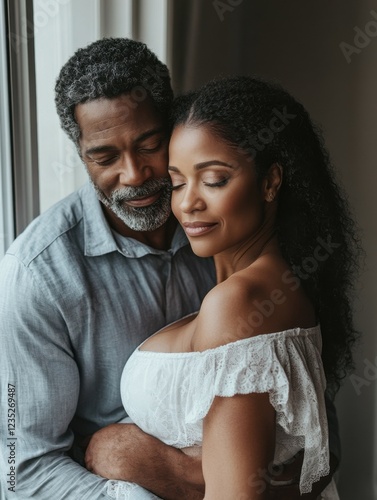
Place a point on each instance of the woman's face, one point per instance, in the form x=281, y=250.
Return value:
x=216, y=197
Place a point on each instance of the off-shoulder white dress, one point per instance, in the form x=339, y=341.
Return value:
x=168, y=395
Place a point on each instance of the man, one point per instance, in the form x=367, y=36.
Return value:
x=87, y=282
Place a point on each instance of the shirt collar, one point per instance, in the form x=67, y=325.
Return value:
x=97, y=232
x=100, y=239
x=133, y=248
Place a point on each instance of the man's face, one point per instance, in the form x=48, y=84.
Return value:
x=125, y=149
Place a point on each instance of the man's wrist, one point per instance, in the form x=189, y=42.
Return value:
x=188, y=469
x=174, y=475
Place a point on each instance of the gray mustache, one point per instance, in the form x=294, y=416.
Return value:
x=148, y=188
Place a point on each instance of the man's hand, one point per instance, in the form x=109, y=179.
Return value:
x=291, y=472
x=123, y=451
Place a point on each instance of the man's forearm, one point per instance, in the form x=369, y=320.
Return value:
x=123, y=451
x=181, y=477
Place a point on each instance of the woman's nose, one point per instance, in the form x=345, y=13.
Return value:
x=191, y=200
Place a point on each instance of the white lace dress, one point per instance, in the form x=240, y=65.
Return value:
x=168, y=395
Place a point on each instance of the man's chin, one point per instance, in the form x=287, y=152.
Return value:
x=142, y=222
x=142, y=218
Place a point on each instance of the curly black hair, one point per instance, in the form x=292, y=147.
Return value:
x=108, y=68
x=315, y=229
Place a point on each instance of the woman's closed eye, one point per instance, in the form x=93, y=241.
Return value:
x=216, y=183
x=209, y=183
x=174, y=187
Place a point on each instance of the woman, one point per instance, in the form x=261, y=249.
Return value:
x=243, y=377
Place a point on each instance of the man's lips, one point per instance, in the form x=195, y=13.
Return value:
x=143, y=201
x=198, y=228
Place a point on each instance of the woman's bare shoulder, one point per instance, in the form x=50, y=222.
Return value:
x=225, y=311
x=252, y=302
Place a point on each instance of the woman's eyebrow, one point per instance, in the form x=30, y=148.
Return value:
x=204, y=164
x=209, y=163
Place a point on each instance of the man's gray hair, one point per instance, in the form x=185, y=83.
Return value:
x=108, y=68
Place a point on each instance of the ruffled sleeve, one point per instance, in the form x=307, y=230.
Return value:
x=288, y=366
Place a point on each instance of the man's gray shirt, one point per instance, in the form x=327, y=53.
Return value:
x=75, y=301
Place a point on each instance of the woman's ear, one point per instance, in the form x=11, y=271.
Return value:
x=272, y=182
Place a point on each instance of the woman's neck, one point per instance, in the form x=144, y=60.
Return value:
x=237, y=258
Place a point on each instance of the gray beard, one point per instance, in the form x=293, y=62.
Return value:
x=140, y=218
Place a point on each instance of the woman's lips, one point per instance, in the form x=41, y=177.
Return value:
x=198, y=228
x=144, y=201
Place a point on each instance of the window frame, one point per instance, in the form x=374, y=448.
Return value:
x=6, y=182
x=22, y=99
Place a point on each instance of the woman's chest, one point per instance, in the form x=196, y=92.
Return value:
x=158, y=394
x=176, y=337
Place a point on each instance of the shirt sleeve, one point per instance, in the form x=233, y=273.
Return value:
x=39, y=388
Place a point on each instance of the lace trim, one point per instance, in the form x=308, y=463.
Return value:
x=123, y=490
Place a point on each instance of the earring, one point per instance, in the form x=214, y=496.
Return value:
x=271, y=196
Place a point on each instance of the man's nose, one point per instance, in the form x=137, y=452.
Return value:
x=132, y=171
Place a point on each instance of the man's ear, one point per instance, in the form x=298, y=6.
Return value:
x=272, y=182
